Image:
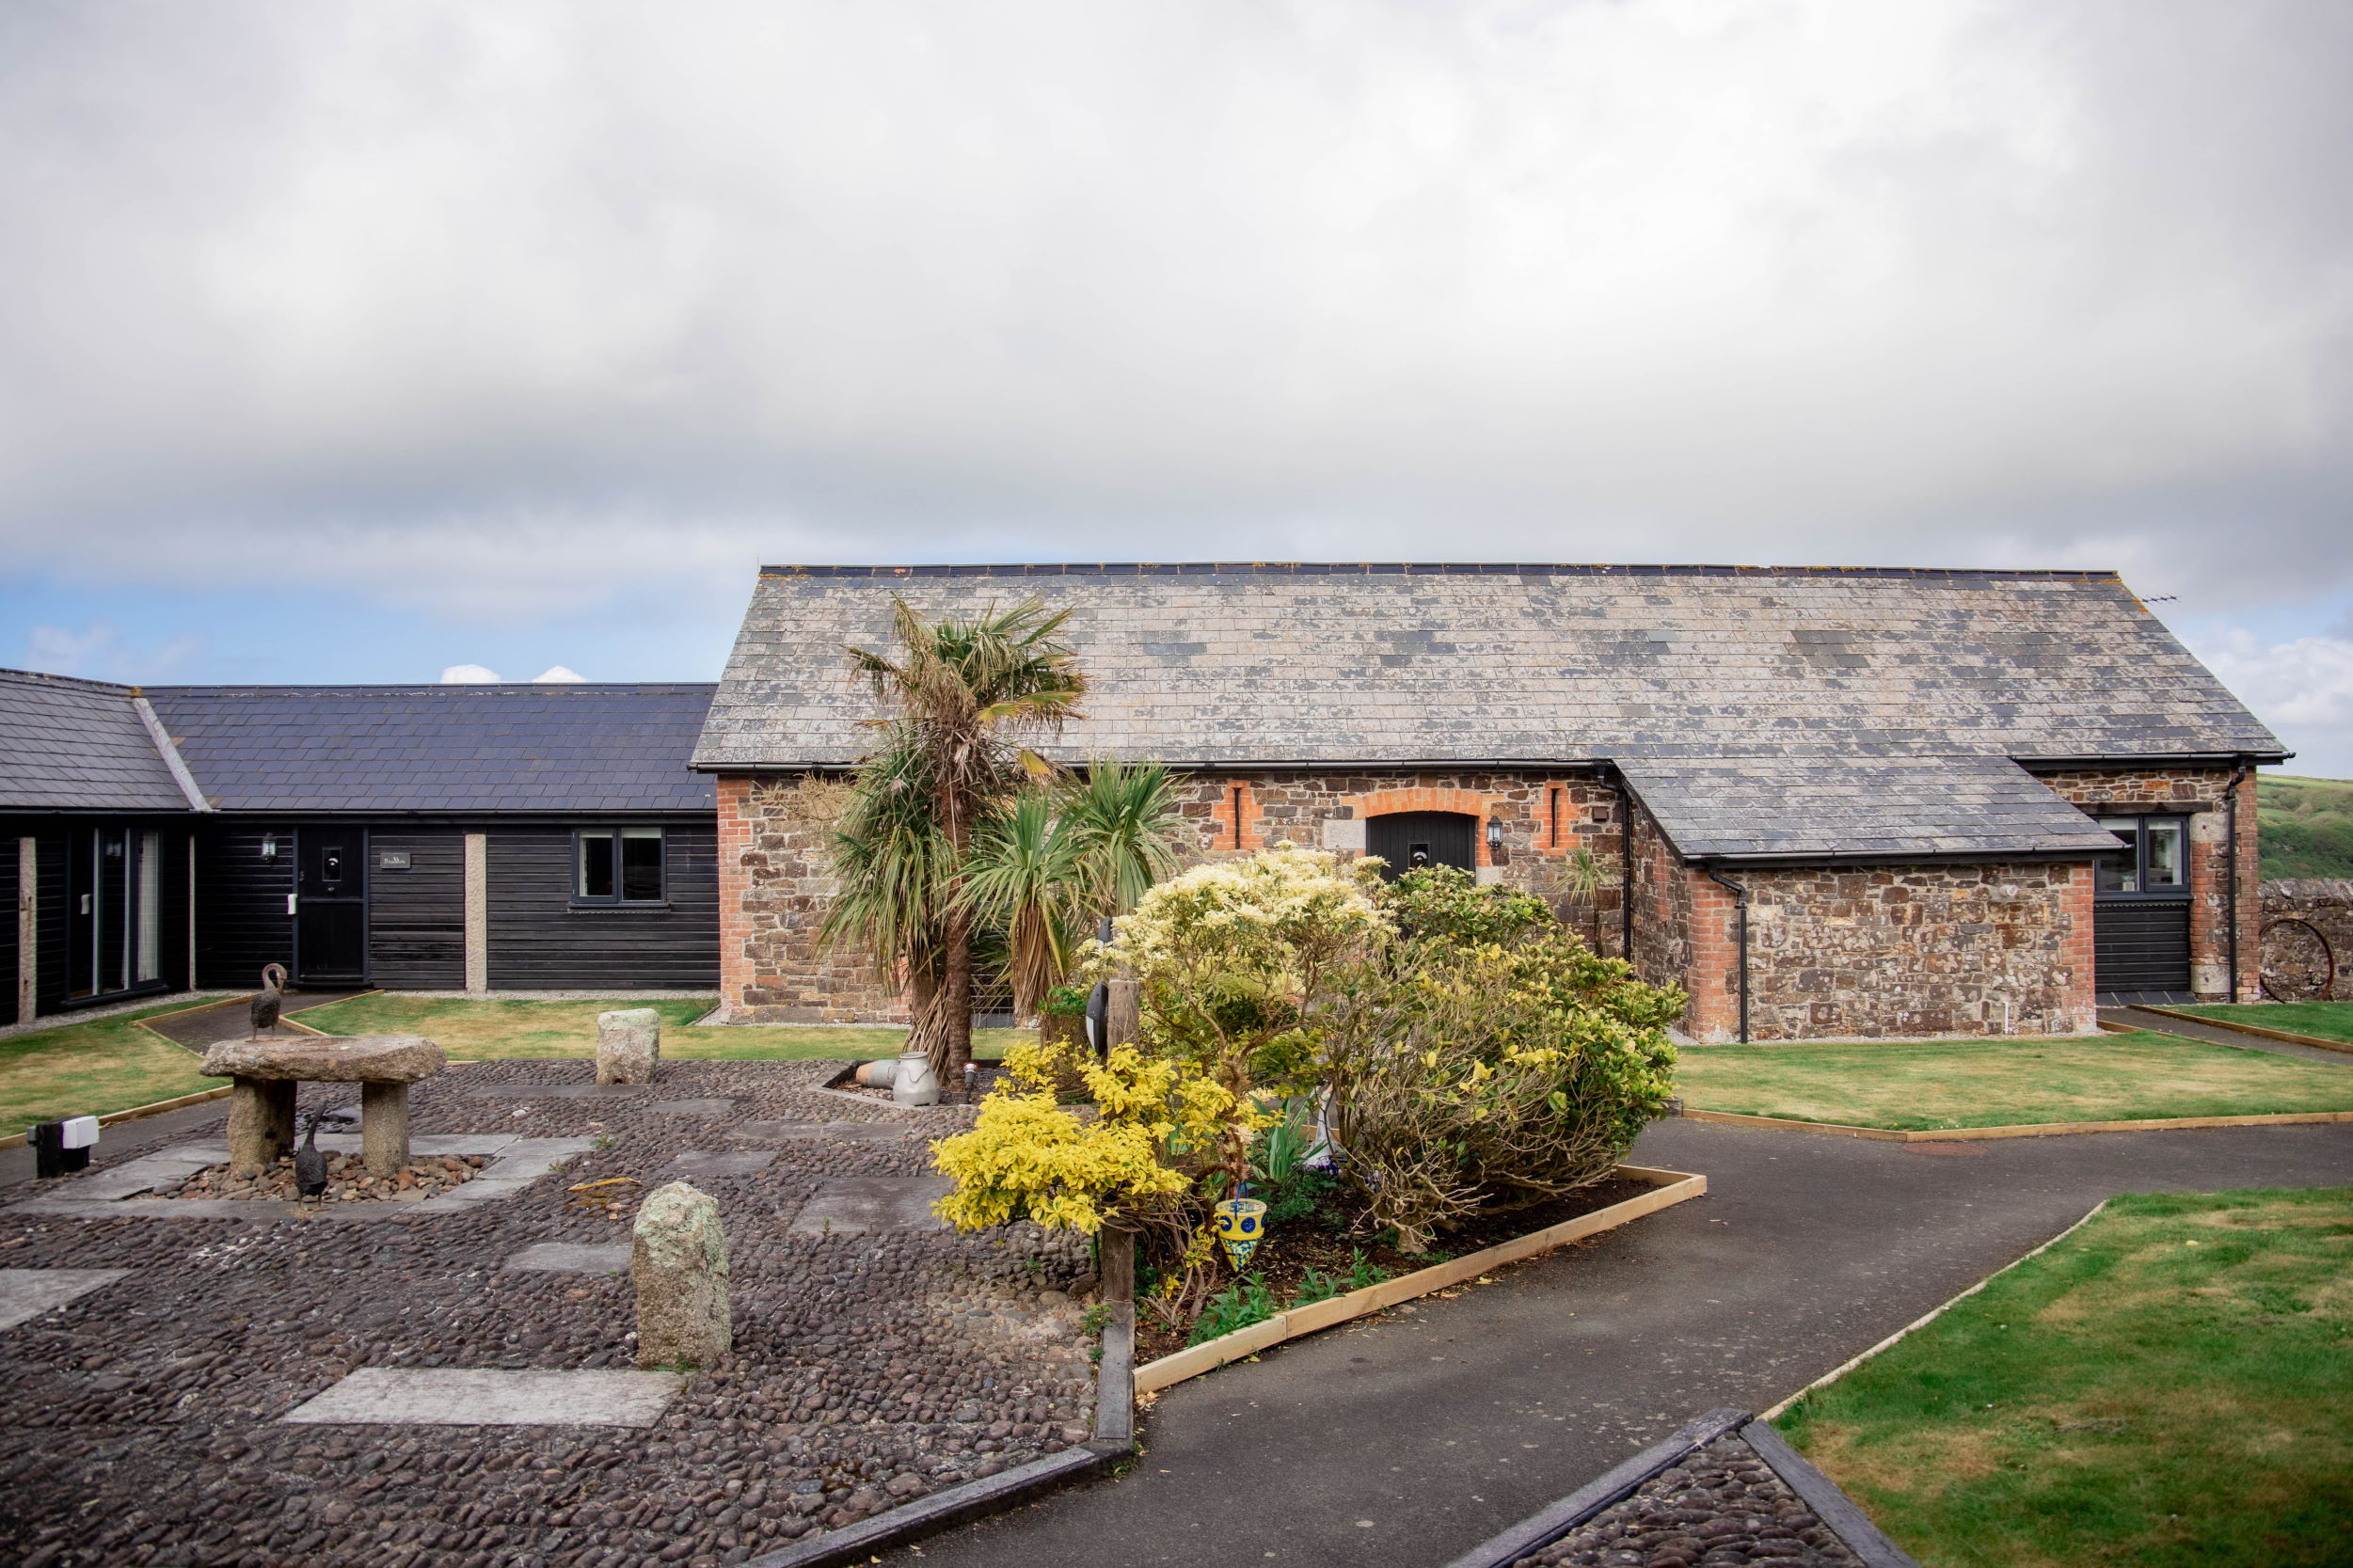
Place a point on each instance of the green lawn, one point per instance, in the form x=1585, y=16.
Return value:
x=471, y=1030
x=2328, y=1021
x=1920, y=1085
x=92, y=1069
x=2171, y=1386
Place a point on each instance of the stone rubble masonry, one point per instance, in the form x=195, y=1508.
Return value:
x=1981, y=949
x=774, y=886
x=1868, y=952
x=2325, y=903
x=629, y=1044
x=678, y=1264
x=2204, y=792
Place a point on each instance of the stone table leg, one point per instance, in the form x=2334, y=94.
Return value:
x=384, y=1127
x=261, y=1122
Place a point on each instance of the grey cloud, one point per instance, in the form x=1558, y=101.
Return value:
x=480, y=302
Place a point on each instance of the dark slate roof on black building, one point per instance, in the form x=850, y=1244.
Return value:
x=76, y=745
x=1273, y=663
x=506, y=747
x=1805, y=807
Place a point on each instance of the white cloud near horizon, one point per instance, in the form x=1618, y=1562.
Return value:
x=2302, y=687
x=494, y=312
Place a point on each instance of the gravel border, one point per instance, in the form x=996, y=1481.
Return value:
x=1725, y=1488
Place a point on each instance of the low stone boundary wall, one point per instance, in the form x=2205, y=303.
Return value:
x=2308, y=939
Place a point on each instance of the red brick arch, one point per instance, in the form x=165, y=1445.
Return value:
x=1466, y=803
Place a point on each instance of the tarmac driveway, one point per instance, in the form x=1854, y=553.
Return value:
x=1408, y=1439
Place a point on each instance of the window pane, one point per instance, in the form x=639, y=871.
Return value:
x=595, y=866
x=641, y=863
x=2120, y=873
x=2166, y=866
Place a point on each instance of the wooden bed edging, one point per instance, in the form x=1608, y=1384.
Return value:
x=136, y=1112
x=1114, y=1439
x=2022, y=1130
x=2237, y=1028
x=1672, y=1187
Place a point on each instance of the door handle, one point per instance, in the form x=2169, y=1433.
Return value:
x=290, y=901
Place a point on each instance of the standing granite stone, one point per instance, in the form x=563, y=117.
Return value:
x=678, y=1263
x=629, y=1044
x=261, y=1123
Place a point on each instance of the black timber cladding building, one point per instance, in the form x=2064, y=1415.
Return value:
x=423, y=838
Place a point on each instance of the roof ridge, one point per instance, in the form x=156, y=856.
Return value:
x=1427, y=568
x=83, y=682
x=419, y=688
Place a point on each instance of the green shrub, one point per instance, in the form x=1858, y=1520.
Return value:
x=1245, y=1302
x=1066, y=1002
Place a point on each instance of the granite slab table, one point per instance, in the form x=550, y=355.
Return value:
x=263, y=1073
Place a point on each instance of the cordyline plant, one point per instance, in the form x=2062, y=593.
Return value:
x=1236, y=961
x=1487, y=1059
x=957, y=698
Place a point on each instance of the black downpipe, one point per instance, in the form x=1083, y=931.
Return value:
x=1740, y=903
x=2231, y=904
x=1625, y=872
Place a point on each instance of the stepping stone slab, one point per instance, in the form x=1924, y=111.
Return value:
x=571, y=1258
x=857, y=1205
x=460, y=1396
x=695, y=1162
x=693, y=1107
x=26, y=1293
x=805, y=1132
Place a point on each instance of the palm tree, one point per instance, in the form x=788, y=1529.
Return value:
x=1124, y=832
x=955, y=699
x=1018, y=878
x=893, y=868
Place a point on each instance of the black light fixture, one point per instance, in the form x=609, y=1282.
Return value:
x=269, y=847
x=1494, y=833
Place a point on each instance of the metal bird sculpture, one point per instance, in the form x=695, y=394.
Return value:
x=310, y=1164
x=265, y=1004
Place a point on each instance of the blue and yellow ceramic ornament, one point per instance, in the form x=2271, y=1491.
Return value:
x=1241, y=1223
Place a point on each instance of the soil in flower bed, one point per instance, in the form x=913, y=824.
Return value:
x=869, y=1368
x=1350, y=1260
x=347, y=1181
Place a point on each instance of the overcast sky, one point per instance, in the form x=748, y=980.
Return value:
x=354, y=342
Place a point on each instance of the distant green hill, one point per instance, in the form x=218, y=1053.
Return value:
x=2304, y=826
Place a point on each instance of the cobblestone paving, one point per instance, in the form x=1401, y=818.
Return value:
x=868, y=1369
x=1720, y=1507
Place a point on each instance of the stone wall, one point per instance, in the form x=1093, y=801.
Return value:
x=2299, y=917
x=1545, y=821
x=2204, y=792
x=1913, y=950
x=775, y=888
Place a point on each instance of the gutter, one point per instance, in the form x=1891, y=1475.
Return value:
x=1740, y=903
x=169, y=752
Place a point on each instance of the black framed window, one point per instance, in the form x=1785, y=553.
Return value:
x=2155, y=858
x=617, y=865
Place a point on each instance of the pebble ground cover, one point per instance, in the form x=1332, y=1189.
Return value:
x=1723, y=1507
x=868, y=1369
x=2170, y=1386
x=1926, y=1085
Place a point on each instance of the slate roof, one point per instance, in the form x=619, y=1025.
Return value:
x=75, y=745
x=1271, y=663
x=509, y=747
x=1767, y=807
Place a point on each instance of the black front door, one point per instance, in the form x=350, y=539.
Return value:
x=331, y=905
x=1411, y=840
x=2141, y=913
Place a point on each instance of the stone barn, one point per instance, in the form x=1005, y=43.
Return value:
x=1827, y=802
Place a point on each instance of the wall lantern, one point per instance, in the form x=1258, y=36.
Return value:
x=269, y=847
x=1494, y=834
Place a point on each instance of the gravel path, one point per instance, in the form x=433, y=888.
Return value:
x=869, y=1368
